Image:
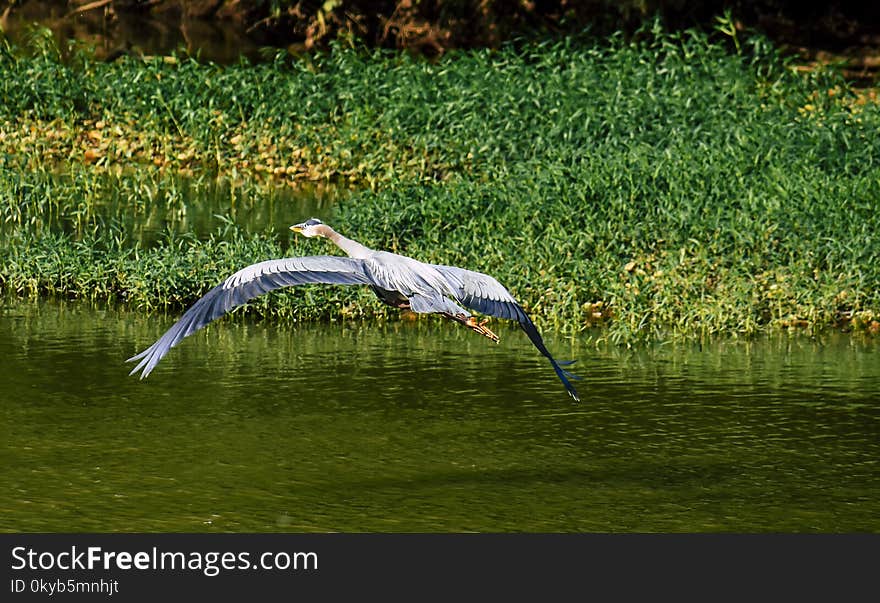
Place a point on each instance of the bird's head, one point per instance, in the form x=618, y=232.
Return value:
x=312, y=227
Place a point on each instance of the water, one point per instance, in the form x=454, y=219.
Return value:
x=200, y=207
x=145, y=209
x=422, y=426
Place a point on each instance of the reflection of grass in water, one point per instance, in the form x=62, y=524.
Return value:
x=661, y=187
x=144, y=206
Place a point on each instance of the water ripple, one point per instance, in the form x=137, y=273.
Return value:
x=426, y=427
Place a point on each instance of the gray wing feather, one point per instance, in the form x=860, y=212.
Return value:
x=486, y=295
x=245, y=285
x=482, y=293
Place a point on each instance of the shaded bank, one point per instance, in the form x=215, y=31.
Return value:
x=652, y=187
x=213, y=28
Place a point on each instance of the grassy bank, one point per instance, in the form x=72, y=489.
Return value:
x=669, y=186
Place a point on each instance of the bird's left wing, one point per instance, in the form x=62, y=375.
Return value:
x=482, y=293
x=486, y=295
x=245, y=285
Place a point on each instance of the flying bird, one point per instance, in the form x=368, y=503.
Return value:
x=397, y=280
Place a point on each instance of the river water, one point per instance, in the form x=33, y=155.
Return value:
x=423, y=426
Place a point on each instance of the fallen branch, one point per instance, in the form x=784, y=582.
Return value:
x=87, y=7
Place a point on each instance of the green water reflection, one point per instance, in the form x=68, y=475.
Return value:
x=144, y=209
x=424, y=427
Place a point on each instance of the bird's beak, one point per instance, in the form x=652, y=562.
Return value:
x=297, y=228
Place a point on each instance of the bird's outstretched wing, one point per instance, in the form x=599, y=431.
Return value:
x=486, y=295
x=247, y=284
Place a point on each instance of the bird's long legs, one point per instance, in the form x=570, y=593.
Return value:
x=471, y=323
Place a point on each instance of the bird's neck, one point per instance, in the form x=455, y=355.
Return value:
x=352, y=248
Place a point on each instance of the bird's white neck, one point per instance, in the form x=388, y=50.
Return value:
x=352, y=248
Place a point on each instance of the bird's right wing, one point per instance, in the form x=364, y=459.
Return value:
x=245, y=285
x=484, y=294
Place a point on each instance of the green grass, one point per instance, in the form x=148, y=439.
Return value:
x=665, y=186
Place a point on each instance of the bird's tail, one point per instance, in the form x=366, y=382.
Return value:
x=532, y=331
x=565, y=375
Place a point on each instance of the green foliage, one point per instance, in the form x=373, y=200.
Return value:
x=665, y=185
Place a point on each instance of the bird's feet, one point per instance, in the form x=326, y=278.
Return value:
x=480, y=327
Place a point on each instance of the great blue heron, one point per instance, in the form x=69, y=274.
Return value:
x=397, y=280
